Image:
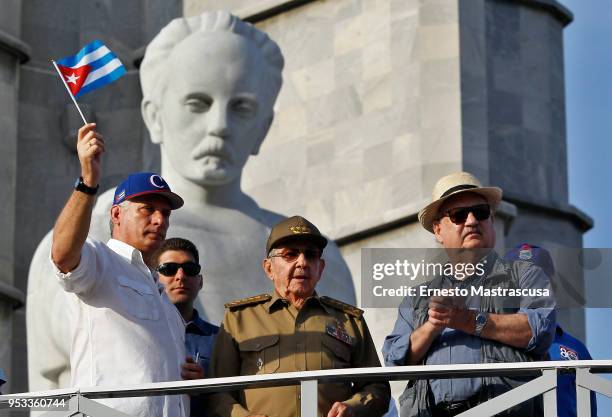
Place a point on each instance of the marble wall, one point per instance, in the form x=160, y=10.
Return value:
x=513, y=119
x=369, y=107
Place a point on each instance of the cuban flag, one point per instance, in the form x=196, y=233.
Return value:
x=92, y=67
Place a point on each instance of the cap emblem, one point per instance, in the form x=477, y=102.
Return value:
x=156, y=178
x=120, y=196
x=300, y=229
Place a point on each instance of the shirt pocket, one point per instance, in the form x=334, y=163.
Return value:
x=334, y=353
x=137, y=299
x=260, y=355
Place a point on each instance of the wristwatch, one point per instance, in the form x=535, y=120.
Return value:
x=79, y=185
x=481, y=322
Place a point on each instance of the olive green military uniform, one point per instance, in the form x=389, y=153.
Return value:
x=266, y=334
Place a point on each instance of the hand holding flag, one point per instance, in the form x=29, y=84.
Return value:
x=90, y=147
x=92, y=67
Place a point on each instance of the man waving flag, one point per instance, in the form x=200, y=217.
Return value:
x=92, y=67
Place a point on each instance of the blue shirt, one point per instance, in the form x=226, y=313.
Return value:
x=2, y=378
x=456, y=347
x=566, y=348
x=199, y=342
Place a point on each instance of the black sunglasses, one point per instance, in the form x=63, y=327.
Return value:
x=171, y=268
x=459, y=215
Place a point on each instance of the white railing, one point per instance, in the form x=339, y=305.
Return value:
x=81, y=401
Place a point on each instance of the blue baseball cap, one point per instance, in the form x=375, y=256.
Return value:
x=539, y=256
x=144, y=183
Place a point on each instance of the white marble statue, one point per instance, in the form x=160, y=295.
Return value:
x=209, y=86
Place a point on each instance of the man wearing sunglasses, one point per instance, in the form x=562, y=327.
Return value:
x=124, y=330
x=476, y=329
x=178, y=267
x=295, y=329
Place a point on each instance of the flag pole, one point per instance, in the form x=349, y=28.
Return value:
x=69, y=92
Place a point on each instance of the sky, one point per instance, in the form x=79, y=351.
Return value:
x=588, y=75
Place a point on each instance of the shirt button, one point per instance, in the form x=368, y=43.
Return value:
x=444, y=344
x=299, y=396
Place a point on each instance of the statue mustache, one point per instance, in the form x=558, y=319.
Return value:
x=213, y=148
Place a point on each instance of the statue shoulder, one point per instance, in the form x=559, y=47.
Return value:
x=339, y=305
x=249, y=301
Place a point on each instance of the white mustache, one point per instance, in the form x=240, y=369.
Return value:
x=213, y=147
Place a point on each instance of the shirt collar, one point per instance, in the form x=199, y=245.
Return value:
x=130, y=254
x=195, y=318
x=277, y=302
x=197, y=325
x=489, y=261
x=127, y=251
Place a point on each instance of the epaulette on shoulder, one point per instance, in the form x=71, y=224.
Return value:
x=347, y=308
x=248, y=301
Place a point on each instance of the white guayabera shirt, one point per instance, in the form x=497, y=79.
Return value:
x=125, y=330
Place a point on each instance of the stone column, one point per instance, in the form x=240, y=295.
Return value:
x=13, y=53
x=513, y=120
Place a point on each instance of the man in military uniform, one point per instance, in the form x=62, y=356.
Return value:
x=294, y=329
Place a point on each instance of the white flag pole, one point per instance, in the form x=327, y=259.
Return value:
x=69, y=92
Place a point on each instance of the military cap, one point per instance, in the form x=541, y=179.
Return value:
x=295, y=228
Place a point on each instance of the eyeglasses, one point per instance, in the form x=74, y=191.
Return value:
x=459, y=215
x=169, y=269
x=291, y=255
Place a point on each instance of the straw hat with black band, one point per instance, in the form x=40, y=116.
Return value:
x=451, y=185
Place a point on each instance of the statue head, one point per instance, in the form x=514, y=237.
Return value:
x=209, y=86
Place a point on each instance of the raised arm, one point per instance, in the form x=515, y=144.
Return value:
x=72, y=225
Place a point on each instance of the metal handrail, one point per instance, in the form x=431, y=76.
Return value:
x=309, y=380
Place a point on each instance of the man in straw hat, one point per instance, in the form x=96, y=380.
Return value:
x=483, y=327
x=295, y=329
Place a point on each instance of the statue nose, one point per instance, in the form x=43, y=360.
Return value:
x=218, y=121
x=221, y=132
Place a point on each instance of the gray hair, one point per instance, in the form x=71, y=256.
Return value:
x=153, y=70
x=111, y=225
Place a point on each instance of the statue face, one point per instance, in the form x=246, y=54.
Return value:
x=214, y=112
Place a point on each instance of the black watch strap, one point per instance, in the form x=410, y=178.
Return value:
x=79, y=185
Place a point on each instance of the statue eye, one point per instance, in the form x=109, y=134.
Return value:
x=198, y=104
x=244, y=107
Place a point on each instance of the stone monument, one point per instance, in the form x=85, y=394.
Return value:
x=209, y=86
